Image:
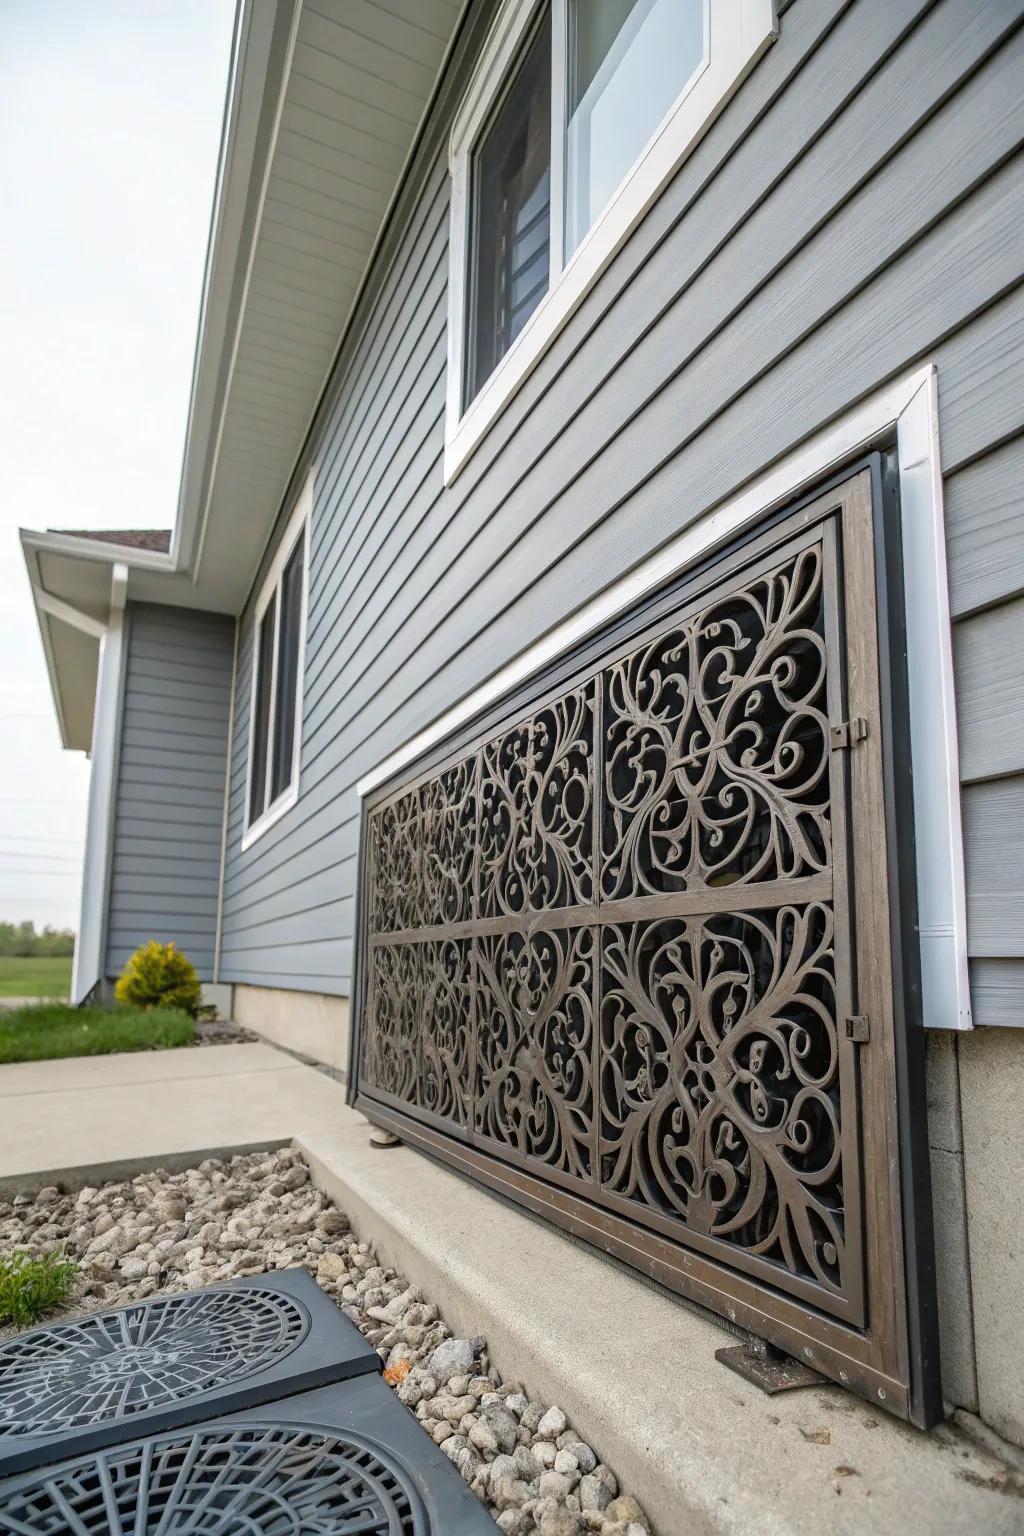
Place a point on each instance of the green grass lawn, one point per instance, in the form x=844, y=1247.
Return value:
x=42, y=1031
x=34, y=977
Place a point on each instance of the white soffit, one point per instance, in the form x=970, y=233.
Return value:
x=352, y=87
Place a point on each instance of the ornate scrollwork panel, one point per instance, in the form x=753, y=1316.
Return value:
x=419, y=1041
x=681, y=1063
x=390, y=1044
x=536, y=810
x=422, y=853
x=720, y=1090
x=446, y=1028
x=716, y=744
x=535, y=1031
x=448, y=812
x=394, y=861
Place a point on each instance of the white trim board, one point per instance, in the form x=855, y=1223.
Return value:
x=297, y=529
x=910, y=404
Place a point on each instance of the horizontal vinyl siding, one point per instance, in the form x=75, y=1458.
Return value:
x=855, y=210
x=169, y=808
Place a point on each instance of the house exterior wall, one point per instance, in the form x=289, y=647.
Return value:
x=854, y=211
x=169, y=796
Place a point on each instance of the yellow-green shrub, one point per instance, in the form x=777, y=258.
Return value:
x=159, y=976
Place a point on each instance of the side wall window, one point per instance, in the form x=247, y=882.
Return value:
x=578, y=113
x=278, y=653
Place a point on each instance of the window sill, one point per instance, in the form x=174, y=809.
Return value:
x=271, y=816
x=740, y=33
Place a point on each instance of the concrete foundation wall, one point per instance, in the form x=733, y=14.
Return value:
x=312, y=1023
x=991, y=1073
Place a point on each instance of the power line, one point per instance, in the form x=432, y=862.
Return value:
x=44, y=874
x=39, y=858
x=41, y=800
x=14, y=837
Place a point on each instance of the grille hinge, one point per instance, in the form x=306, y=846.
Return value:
x=848, y=734
x=858, y=1028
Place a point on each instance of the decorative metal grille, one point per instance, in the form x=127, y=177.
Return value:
x=114, y=1364
x=223, y=1481
x=639, y=956
x=603, y=943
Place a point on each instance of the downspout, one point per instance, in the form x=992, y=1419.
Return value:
x=224, y=817
x=88, y=964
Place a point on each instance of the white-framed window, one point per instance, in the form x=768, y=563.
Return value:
x=578, y=113
x=275, y=703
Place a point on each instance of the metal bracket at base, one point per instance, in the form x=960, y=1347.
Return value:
x=766, y=1367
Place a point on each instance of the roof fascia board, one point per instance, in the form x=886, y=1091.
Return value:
x=42, y=619
x=96, y=550
x=261, y=59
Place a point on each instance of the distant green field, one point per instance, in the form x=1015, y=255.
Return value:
x=35, y=977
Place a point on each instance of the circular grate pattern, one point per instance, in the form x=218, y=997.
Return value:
x=119, y=1363
x=237, y=1480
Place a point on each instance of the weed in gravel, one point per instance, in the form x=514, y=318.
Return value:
x=29, y=1288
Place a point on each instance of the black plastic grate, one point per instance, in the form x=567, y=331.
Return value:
x=232, y=1479
x=117, y=1363
x=112, y=1376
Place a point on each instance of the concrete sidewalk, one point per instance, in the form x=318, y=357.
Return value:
x=84, y=1118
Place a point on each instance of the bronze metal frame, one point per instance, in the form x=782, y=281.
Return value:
x=701, y=1103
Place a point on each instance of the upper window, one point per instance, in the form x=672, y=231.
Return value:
x=276, y=706
x=578, y=113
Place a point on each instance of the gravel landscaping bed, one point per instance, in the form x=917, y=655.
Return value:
x=164, y=1233
x=221, y=1032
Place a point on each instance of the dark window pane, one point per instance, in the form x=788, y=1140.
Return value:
x=287, y=672
x=260, y=723
x=509, y=255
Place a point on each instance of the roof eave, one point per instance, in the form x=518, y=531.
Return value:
x=120, y=561
x=259, y=67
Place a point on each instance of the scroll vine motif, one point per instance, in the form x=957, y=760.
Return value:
x=534, y=1090
x=419, y=1045
x=422, y=853
x=720, y=1102
x=446, y=1029
x=536, y=810
x=716, y=743
x=390, y=1054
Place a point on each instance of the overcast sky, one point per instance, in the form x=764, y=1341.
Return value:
x=110, y=117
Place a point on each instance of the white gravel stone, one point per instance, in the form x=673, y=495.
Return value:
x=552, y=1424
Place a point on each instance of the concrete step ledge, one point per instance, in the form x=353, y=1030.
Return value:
x=635, y=1371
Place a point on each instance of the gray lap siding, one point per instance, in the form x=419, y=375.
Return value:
x=169, y=796
x=855, y=210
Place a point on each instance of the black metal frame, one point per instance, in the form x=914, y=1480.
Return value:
x=921, y=1400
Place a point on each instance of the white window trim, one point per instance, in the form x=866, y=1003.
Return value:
x=737, y=33
x=298, y=528
x=910, y=405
